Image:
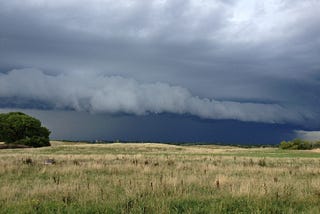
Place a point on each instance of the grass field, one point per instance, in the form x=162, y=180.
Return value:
x=158, y=178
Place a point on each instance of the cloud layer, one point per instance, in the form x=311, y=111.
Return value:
x=308, y=135
x=248, y=60
x=115, y=94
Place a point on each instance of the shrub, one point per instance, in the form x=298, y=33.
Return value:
x=296, y=144
x=34, y=141
x=285, y=145
x=316, y=145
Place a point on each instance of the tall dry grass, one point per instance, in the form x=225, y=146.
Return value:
x=155, y=178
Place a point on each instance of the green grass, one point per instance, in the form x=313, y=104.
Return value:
x=84, y=149
x=272, y=153
x=154, y=178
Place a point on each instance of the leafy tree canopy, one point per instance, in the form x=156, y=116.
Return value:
x=19, y=128
x=299, y=144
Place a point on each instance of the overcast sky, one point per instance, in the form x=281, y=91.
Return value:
x=255, y=62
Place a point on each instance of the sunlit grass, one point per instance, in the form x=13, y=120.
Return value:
x=158, y=178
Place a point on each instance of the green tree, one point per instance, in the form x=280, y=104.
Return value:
x=19, y=128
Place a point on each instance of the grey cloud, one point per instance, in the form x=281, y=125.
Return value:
x=86, y=92
x=252, y=51
x=74, y=125
x=308, y=135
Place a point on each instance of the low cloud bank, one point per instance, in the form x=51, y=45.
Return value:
x=308, y=135
x=114, y=94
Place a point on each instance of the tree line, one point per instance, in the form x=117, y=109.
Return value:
x=299, y=144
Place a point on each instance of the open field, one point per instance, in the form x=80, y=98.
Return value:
x=158, y=178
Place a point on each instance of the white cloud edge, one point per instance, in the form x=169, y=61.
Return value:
x=307, y=135
x=88, y=91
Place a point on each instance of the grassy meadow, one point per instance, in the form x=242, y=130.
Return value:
x=158, y=178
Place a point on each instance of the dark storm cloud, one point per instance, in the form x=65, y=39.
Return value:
x=263, y=53
x=158, y=128
x=105, y=94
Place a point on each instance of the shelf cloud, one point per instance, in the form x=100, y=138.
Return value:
x=115, y=94
x=245, y=60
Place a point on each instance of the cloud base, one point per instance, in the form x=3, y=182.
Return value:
x=85, y=91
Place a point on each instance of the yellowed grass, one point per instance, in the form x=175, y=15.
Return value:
x=316, y=150
x=159, y=171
